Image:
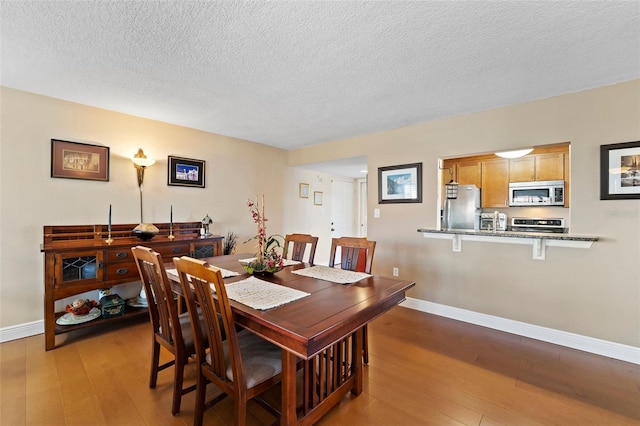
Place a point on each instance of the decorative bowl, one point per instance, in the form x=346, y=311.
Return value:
x=145, y=231
x=255, y=268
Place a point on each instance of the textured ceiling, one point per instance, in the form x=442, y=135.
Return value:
x=293, y=74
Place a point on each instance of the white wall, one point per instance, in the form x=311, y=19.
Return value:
x=302, y=216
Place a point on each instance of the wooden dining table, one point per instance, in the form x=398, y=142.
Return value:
x=313, y=327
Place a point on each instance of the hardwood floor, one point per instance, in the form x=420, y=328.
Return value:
x=423, y=370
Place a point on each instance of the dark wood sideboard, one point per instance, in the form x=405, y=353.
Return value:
x=77, y=259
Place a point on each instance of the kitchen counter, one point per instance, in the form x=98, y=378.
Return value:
x=539, y=240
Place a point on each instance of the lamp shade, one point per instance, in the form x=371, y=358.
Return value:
x=141, y=160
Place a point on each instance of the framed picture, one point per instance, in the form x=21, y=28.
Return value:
x=400, y=184
x=317, y=198
x=303, y=190
x=620, y=171
x=75, y=160
x=186, y=172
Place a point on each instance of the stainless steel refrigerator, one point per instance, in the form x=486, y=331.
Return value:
x=463, y=212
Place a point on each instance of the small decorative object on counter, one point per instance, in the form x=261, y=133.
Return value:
x=103, y=292
x=268, y=260
x=112, y=305
x=206, y=222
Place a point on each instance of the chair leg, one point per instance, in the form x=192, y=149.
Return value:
x=155, y=361
x=365, y=346
x=201, y=390
x=241, y=410
x=178, y=378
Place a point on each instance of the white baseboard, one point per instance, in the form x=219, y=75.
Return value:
x=21, y=331
x=563, y=338
x=558, y=337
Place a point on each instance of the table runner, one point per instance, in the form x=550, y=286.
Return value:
x=336, y=275
x=262, y=295
x=225, y=272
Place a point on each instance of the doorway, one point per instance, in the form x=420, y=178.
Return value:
x=343, y=218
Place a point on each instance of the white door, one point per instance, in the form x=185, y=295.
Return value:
x=362, y=207
x=343, y=218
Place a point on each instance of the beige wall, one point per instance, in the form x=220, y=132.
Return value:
x=593, y=292
x=30, y=198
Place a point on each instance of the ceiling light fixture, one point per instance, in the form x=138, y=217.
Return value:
x=515, y=153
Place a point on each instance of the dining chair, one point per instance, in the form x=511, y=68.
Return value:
x=356, y=254
x=170, y=330
x=244, y=365
x=296, y=245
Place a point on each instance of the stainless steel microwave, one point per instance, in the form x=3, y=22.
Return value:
x=542, y=193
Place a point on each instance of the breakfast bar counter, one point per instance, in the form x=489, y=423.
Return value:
x=539, y=240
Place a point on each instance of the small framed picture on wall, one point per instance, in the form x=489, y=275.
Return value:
x=186, y=172
x=303, y=190
x=317, y=198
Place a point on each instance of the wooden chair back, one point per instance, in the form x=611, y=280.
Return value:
x=170, y=330
x=162, y=306
x=296, y=245
x=356, y=254
x=198, y=279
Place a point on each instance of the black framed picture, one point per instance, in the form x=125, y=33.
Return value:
x=74, y=160
x=400, y=184
x=620, y=171
x=186, y=172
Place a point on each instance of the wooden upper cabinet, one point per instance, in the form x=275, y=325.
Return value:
x=495, y=183
x=537, y=167
x=470, y=173
x=465, y=172
x=550, y=166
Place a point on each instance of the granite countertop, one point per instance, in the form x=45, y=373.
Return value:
x=512, y=234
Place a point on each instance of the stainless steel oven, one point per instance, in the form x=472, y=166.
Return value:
x=537, y=224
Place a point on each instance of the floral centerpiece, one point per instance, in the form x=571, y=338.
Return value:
x=268, y=259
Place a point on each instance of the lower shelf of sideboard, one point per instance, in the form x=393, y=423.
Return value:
x=130, y=314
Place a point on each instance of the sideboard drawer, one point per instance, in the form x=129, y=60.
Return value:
x=119, y=255
x=121, y=270
x=169, y=251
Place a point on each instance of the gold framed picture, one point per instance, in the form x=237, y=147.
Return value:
x=74, y=160
x=317, y=198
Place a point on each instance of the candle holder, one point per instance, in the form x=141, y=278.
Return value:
x=109, y=240
x=171, y=236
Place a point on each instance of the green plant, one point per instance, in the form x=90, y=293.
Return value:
x=230, y=243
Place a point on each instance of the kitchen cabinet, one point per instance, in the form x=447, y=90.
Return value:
x=469, y=173
x=495, y=183
x=537, y=167
x=465, y=172
x=77, y=260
